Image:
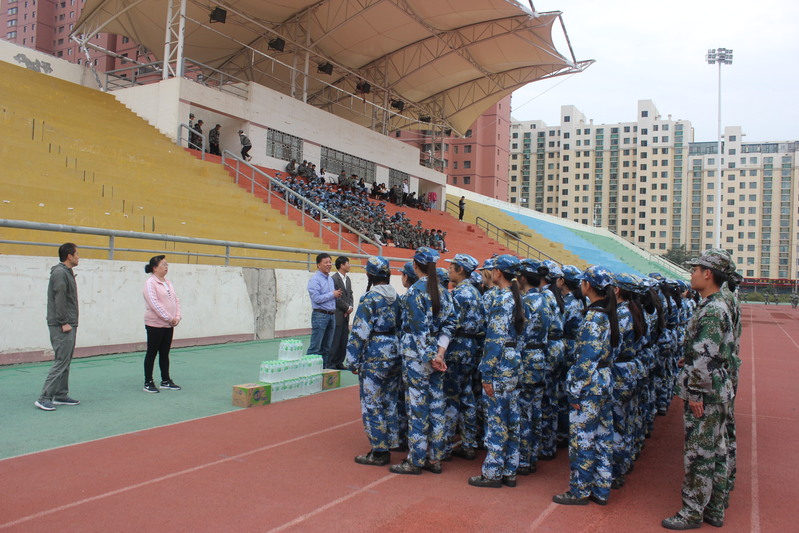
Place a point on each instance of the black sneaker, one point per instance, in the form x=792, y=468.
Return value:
x=374, y=458
x=405, y=467
x=715, y=522
x=597, y=500
x=44, y=405
x=149, y=386
x=617, y=483
x=509, y=481
x=169, y=385
x=481, y=481
x=526, y=470
x=679, y=523
x=66, y=401
x=567, y=498
x=435, y=468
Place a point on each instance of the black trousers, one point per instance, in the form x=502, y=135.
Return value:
x=159, y=341
x=245, y=150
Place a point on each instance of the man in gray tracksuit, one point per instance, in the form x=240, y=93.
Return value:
x=62, y=320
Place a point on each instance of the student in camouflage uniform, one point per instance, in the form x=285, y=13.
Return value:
x=556, y=361
x=409, y=277
x=590, y=384
x=705, y=383
x=625, y=372
x=499, y=369
x=533, y=344
x=730, y=295
x=427, y=327
x=373, y=354
x=461, y=357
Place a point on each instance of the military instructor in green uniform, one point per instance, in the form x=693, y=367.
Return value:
x=706, y=384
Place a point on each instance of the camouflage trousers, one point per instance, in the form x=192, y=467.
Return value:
x=530, y=397
x=424, y=400
x=591, y=447
x=553, y=389
x=623, y=424
x=732, y=445
x=664, y=375
x=461, y=410
x=379, y=387
x=501, y=431
x=704, y=486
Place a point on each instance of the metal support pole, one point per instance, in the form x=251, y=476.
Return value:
x=718, y=172
x=167, y=41
x=111, y=247
x=179, y=67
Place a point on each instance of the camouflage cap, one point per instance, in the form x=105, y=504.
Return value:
x=425, y=255
x=649, y=282
x=476, y=278
x=409, y=271
x=489, y=264
x=598, y=276
x=530, y=265
x=443, y=274
x=629, y=282
x=657, y=276
x=553, y=267
x=571, y=273
x=378, y=266
x=716, y=259
x=508, y=264
x=466, y=261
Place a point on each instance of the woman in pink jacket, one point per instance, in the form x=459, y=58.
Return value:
x=161, y=315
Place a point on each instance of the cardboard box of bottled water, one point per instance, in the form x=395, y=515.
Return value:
x=251, y=394
x=331, y=379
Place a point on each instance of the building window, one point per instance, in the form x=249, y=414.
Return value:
x=467, y=180
x=644, y=114
x=283, y=146
x=467, y=164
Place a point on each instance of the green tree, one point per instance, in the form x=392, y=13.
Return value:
x=678, y=255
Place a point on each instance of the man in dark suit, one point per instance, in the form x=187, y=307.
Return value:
x=341, y=281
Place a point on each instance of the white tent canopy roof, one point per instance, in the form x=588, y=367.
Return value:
x=447, y=59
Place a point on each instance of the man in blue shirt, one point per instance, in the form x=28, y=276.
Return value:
x=323, y=301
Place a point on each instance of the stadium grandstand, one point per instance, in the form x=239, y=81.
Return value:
x=101, y=158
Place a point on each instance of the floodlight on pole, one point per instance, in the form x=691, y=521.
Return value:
x=720, y=56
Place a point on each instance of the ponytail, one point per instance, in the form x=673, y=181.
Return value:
x=553, y=288
x=607, y=305
x=518, y=306
x=577, y=292
x=433, y=290
x=639, y=323
x=375, y=280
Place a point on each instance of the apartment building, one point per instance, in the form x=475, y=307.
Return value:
x=649, y=182
x=45, y=25
x=479, y=160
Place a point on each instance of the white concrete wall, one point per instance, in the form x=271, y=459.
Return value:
x=214, y=302
x=157, y=103
x=46, y=64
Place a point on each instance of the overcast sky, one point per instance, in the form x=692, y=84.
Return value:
x=655, y=50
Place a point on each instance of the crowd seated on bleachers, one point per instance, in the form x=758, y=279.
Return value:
x=348, y=200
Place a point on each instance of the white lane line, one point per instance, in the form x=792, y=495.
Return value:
x=755, y=518
x=170, y=476
x=332, y=504
x=543, y=516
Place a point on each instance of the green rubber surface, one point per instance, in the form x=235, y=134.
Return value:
x=109, y=388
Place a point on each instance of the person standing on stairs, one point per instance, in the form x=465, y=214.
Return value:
x=461, y=207
x=213, y=140
x=246, y=145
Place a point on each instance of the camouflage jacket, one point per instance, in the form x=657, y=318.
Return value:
x=590, y=373
x=469, y=322
x=421, y=331
x=709, y=349
x=375, y=328
x=501, y=362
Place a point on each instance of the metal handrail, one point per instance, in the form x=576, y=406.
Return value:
x=512, y=241
x=191, y=131
x=113, y=235
x=227, y=155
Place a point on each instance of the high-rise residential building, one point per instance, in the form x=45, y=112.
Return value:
x=478, y=161
x=650, y=183
x=45, y=25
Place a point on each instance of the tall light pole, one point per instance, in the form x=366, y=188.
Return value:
x=720, y=56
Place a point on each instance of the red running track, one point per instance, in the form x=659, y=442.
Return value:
x=288, y=467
